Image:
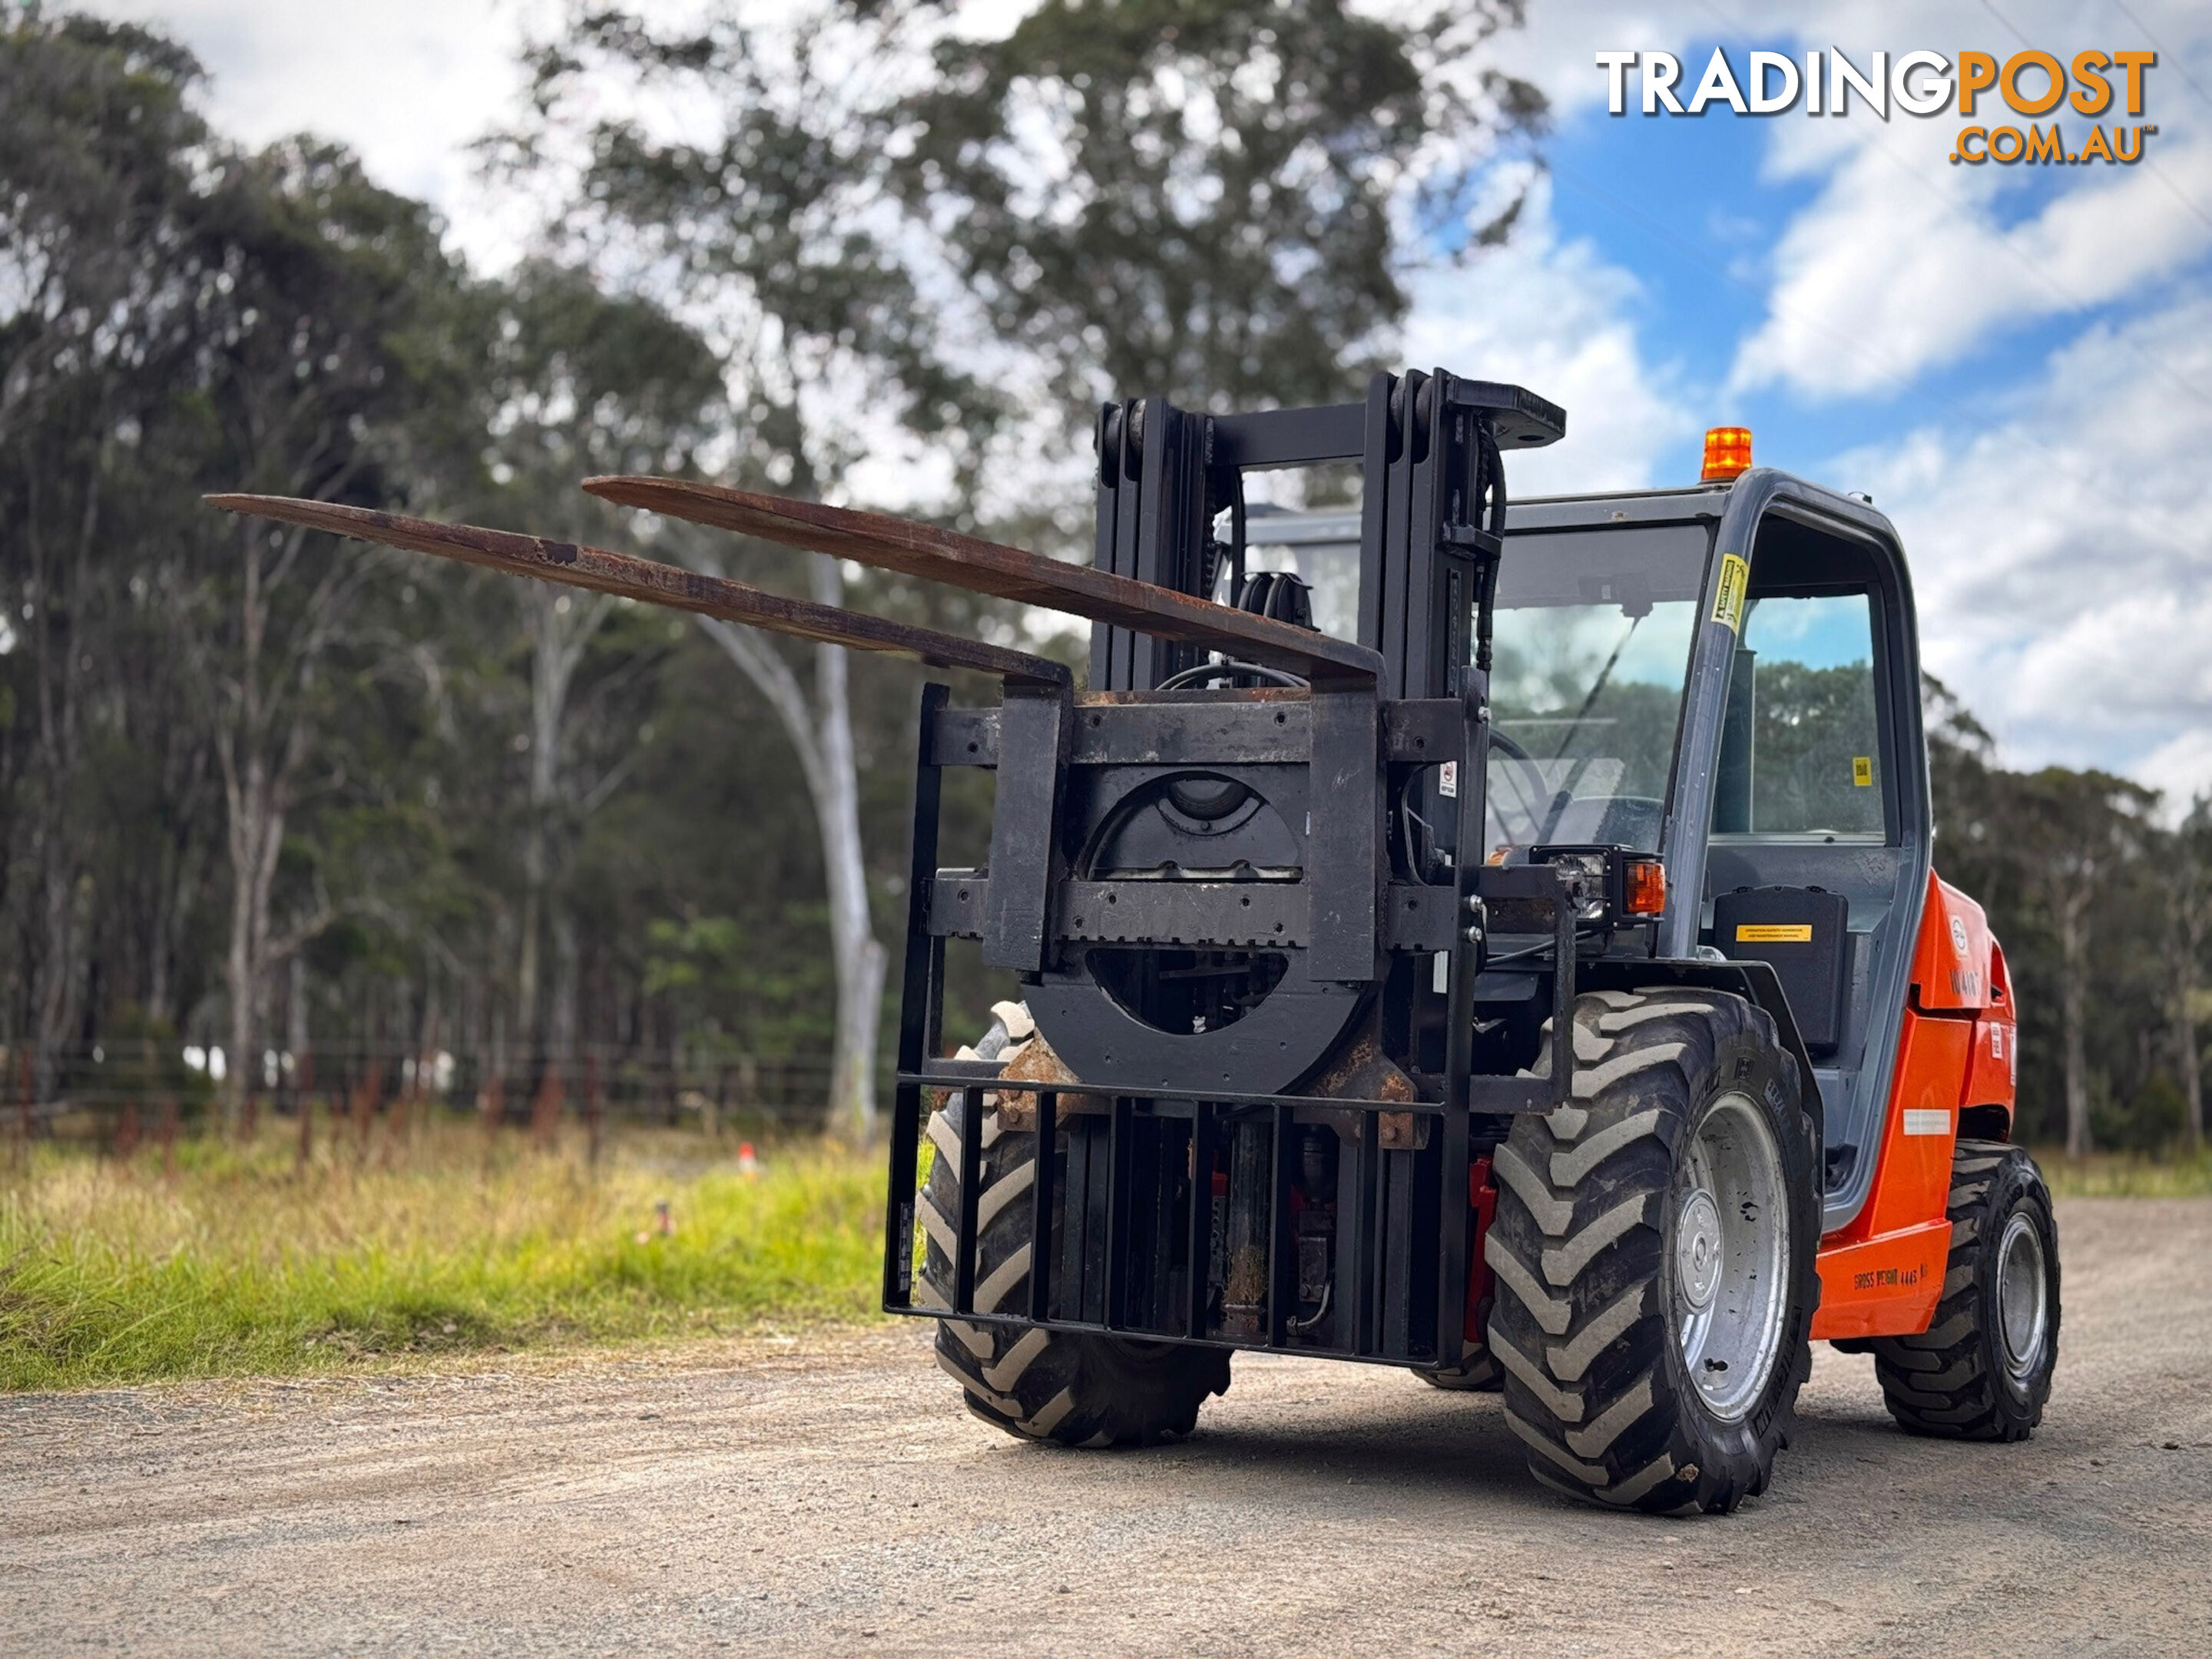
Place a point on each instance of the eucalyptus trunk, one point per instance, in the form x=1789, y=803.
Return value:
x=820, y=728
x=2073, y=929
x=856, y=954
x=2189, y=923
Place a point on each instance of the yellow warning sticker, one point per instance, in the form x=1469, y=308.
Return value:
x=1862, y=771
x=1774, y=933
x=1728, y=607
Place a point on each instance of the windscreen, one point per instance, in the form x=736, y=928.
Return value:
x=1593, y=633
x=1591, y=652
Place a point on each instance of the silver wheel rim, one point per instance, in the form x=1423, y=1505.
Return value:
x=2023, y=1303
x=1729, y=1251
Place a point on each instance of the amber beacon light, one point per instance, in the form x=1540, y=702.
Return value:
x=1728, y=452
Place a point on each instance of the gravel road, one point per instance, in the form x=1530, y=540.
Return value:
x=826, y=1493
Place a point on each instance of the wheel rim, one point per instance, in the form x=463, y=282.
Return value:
x=1731, y=1244
x=2023, y=1304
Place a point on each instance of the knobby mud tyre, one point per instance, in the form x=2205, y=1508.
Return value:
x=1610, y=1229
x=1073, y=1388
x=1981, y=1370
x=1480, y=1374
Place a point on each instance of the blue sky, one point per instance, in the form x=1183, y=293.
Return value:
x=2015, y=361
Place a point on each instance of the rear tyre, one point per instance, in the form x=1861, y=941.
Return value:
x=1480, y=1374
x=1072, y=1388
x=1654, y=1250
x=1982, y=1370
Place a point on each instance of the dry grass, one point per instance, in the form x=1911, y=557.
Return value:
x=241, y=1263
x=2127, y=1175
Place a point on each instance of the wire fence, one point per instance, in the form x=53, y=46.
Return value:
x=119, y=1090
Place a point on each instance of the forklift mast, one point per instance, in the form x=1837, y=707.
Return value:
x=1250, y=919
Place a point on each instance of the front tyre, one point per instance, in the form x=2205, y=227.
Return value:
x=1654, y=1249
x=1071, y=1387
x=1982, y=1370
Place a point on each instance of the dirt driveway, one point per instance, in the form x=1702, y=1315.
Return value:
x=829, y=1495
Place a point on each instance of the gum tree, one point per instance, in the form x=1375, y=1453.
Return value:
x=903, y=234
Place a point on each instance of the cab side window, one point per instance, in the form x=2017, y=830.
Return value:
x=1801, y=755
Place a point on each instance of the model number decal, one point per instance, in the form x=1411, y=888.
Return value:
x=1881, y=1276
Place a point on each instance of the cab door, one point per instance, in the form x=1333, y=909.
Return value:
x=1816, y=847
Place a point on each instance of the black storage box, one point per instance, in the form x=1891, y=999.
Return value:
x=1803, y=933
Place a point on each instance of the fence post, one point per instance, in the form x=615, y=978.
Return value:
x=368, y=1094
x=249, y=1106
x=491, y=1107
x=593, y=1110
x=396, y=1123
x=306, y=1093
x=25, y=1088
x=545, y=1106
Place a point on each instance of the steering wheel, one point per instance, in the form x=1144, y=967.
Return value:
x=1531, y=801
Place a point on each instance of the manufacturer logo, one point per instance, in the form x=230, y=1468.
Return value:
x=1958, y=935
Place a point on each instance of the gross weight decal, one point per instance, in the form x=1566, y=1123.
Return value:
x=1880, y=1276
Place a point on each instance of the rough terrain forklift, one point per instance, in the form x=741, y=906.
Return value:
x=1495, y=940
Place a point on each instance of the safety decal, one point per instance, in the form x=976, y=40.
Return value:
x=1774, y=933
x=1959, y=934
x=1728, y=606
x=1927, y=1121
x=1862, y=771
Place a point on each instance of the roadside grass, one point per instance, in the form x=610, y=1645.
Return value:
x=237, y=1262
x=2126, y=1175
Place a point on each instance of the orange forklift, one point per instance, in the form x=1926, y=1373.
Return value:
x=1494, y=939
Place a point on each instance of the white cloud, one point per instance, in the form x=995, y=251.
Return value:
x=1556, y=317
x=407, y=84
x=1902, y=266
x=1907, y=262
x=1558, y=47
x=2063, y=565
x=2182, y=768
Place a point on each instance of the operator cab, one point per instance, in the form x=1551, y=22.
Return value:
x=1725, y=675
x=1796, y=826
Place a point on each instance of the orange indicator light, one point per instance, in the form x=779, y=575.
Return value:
x=1644, y=887
x=1728, y=452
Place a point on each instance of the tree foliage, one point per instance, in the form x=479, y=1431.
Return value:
x=1200, y=199
x=269, y=790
